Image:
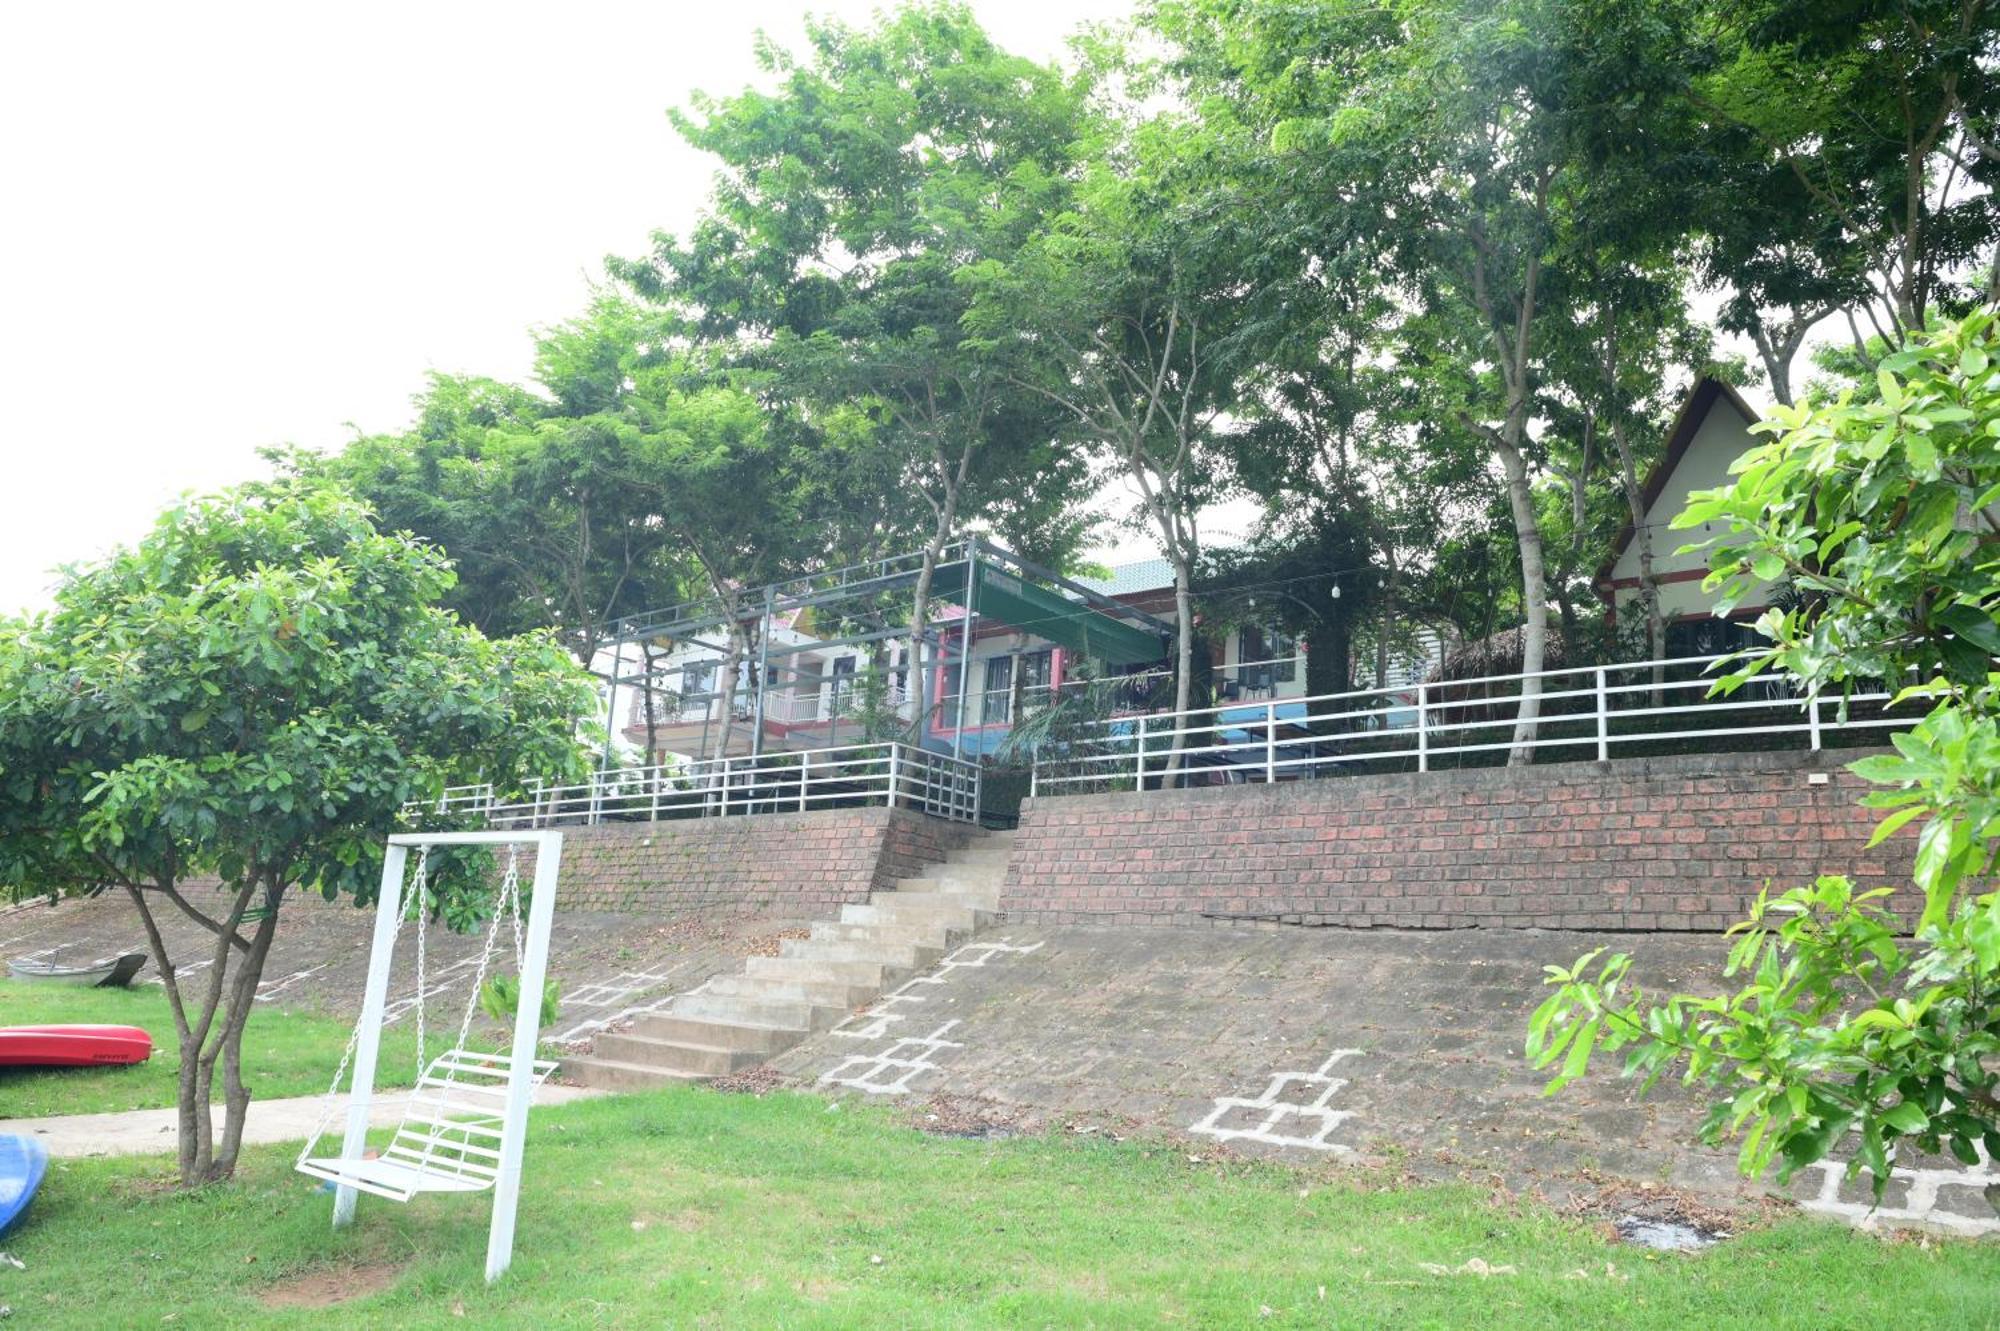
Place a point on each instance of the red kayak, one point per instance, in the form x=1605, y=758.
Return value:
x=73, y=1046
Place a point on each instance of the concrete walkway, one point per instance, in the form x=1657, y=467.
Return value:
x=151, y=1131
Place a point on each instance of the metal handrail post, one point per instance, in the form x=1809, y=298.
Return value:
x=1270, y=742
x=893, y=774
x=1139, y=763
x=1423, y=727
x=805, y=777
x=1603, y=719
x=1812, y=720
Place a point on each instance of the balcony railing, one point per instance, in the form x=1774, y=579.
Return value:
x=1589, y=712
x=848, y=776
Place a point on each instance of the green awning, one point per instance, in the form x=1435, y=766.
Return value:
x=1020, y=604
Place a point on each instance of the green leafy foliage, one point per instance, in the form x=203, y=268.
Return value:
x=249, y=696
x=500, y=999
x=1881, y=512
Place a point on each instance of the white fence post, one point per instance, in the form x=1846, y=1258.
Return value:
x=1139, y=762
x=1812, y=719
x=722, y=775
x=1423, y=728
x=1603, y=719
x=805, y=777
x=893, y=773
x=1270, y=742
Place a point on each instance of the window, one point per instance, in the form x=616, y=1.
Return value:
x=698, y=679
x=1284, y=650
x=1265, y=656
x=1034, y=672
x=843, y=682
x=998, y=702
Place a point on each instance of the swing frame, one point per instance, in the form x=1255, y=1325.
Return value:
x=527, y=1022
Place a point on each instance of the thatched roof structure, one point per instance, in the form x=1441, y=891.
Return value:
x=1496, y=654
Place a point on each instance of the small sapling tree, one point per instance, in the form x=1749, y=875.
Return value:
x=240, y=706
x=1884, y=514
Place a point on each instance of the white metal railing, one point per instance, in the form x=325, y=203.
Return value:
x=1587, y=712
x=458, y=799
x=898, y=775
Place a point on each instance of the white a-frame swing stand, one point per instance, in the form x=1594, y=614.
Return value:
x=465, y=1123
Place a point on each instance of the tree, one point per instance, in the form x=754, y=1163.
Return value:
x=1124, y=312
x=1885, y=516
x=849, y=200
x=252, y=694
x=528, y=489
x=724, y=488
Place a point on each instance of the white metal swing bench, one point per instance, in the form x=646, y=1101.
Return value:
x=463, y=1124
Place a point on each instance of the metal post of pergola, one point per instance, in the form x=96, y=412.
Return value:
x=965, y=639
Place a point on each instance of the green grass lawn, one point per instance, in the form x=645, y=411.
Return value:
x=284, y=1052
x=690, y=1208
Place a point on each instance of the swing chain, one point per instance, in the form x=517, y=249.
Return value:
x=509, y=900
x=331, y=1106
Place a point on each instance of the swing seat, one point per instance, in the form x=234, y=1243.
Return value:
x=450, y=1134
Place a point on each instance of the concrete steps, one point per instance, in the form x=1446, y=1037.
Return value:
x=800, y=1017
x=841, y=995
x=748, y=1036
x=906, y=956
x=613, y=1075
x=738, y=1021
x=882, y=909
x=915, y=935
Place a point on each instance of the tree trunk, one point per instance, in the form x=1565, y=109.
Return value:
x=739, y=650
x=201, y=1043
x=1535, y=602
x=1391, y=587
x=920, y=606
x=1642, y=538
x=1183, y=653
x=649, y=698
x=242, y=1001
x=920, y=597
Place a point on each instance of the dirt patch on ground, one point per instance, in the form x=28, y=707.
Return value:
x=751, y=1081
x=331, y=1285
x=769, y=945
x=965, y=1116
x=1597, y=1197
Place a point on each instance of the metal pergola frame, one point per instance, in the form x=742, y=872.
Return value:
x=684, y=623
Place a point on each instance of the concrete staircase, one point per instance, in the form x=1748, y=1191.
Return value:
x=737, y=1021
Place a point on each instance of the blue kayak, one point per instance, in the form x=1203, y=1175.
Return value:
x=23, y=1161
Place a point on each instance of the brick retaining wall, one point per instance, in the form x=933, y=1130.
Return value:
x=1675, y=843
x=800, y=863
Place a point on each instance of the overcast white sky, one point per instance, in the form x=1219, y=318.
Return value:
x=226, y=226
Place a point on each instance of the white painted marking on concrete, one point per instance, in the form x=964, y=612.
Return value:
x=1920, y=1206
x=181, y=972
x=874, y=1021
x=890, y=1071
x=445, y=978
x=603, y=993
x=270, y=989
x=586, y=1028
x=1313, y=1115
